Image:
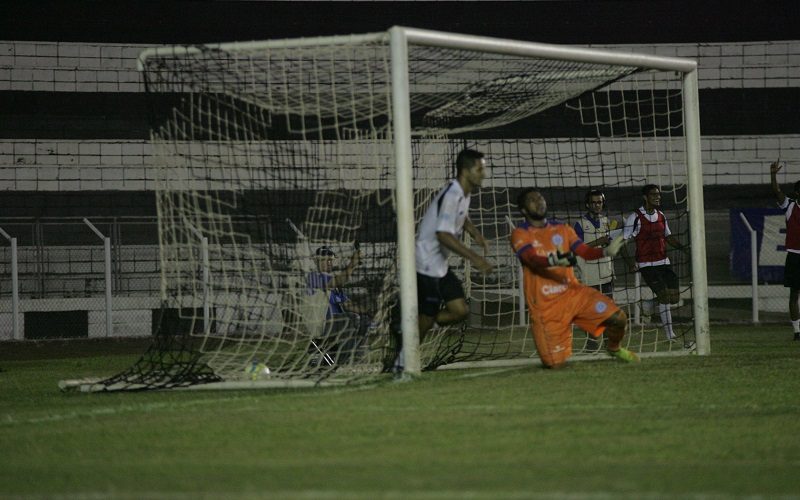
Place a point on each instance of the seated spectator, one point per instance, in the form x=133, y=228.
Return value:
x=345, y=327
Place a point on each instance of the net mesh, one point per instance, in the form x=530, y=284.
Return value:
x=277, y=171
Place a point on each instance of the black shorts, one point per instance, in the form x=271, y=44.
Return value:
x=791, y=271
x=433, y=292
x=659, y=278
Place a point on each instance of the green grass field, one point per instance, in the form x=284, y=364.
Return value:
x=713, y=427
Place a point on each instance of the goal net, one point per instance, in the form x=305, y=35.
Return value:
x=279, y=196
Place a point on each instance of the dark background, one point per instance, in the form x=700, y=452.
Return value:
x=81, y=115
x=580, y=22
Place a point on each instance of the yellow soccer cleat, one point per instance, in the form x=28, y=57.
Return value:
x=625, y=355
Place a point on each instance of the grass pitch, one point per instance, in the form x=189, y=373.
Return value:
x=718, y=426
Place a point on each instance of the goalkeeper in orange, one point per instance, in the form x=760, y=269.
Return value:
x=555, y=298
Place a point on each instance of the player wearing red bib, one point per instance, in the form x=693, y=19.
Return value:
x=555, y=298
x=791, y=269
x=649, y=229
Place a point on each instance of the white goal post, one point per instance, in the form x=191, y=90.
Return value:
x=402, y=37
x=349, y=137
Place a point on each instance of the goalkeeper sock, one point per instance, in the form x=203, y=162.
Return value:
x=796, y=325
x=666, y=320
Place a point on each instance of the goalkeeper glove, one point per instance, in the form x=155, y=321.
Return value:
x=614, y=247
x=559, y=259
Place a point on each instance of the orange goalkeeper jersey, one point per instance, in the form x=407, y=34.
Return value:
x=544, y=285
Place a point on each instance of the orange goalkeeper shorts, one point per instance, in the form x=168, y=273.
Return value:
x=551, y=323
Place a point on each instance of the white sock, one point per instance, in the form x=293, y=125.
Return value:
x=666, y=319
x=796, y=325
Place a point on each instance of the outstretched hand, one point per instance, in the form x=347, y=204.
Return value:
x=776, y=166
x=614, y=247
x=483, y=265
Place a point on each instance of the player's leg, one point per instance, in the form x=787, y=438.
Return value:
x=595, y=344
x=425, y=324
x=598, y=314
x=454, y=311
x=794, y=311
x=659, y=282
x=670, y=279
x=552, y=334
x=672, y=296
x=428, y=303
x=616, y=327
x=791, y=280
x=592, y=343
x=452, y=293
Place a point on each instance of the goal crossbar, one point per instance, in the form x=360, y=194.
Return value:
x=448, y=40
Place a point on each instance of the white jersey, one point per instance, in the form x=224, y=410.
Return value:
x=446, y=213
x=600, y=271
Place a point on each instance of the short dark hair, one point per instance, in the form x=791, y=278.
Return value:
x=522, y=195
x=649, y=187
x=466, y=158
x=324, y=251
x=797, y=187
x=593, y=192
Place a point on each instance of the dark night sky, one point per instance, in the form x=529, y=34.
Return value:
x=556, y=21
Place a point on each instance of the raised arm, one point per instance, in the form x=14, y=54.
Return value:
x=341, y=278
x=773, y=171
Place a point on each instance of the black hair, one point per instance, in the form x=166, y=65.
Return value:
x=649, y=187
x=797, y=188
x=593, y=192
x=521, y=197
x=325, y=252
x=466, y=158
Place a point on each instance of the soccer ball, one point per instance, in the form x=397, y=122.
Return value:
x=256, y=370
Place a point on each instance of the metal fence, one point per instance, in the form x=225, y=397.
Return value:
x=75, y=277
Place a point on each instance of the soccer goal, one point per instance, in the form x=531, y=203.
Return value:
x=277, y=158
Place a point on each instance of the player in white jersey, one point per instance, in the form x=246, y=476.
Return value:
x=595, y=229
x=439, y=234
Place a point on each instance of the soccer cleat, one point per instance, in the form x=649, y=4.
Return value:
x=625, y=355
x=797, y=336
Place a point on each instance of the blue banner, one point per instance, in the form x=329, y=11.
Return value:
x=770, y=227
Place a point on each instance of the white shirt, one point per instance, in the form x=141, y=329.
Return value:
x=600, y=271
x=446, y=213
x=632, y=229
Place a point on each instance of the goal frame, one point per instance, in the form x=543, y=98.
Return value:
x=400, y=38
